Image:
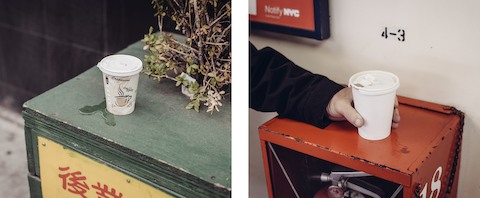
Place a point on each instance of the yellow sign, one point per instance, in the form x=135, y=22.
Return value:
x=66, y=173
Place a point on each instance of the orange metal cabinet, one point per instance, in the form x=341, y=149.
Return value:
x=421, y=158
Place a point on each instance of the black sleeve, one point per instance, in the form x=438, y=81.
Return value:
x=278, y=85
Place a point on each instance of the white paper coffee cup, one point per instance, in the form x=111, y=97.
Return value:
x=374, y=95
x=120, y=80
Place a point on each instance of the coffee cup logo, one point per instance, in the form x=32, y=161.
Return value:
x=122, y=99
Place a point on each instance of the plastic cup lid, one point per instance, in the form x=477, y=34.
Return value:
x=120, y=65
x=374, y=82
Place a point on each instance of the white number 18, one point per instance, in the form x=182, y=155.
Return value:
x=435, y=186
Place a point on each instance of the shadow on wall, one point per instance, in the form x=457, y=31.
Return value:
x=44, y=43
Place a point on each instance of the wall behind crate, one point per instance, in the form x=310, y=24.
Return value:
x=439, y=61
x=46, y=42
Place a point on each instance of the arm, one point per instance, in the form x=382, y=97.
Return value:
x=277, y=84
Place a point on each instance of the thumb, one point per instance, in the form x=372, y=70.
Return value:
x=351, y=115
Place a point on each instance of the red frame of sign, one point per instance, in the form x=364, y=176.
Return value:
x=308, y=18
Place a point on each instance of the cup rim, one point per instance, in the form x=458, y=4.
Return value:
x=370, y=91
x=132, y=60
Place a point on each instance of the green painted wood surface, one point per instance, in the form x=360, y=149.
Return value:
x=165, y=140
x=35, y=186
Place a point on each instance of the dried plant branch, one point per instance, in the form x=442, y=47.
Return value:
x=205, y=55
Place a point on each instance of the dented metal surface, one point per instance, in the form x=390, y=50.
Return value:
x=331, y=150
x=412, y=155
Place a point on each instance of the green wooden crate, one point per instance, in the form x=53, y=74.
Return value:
x=161, y=144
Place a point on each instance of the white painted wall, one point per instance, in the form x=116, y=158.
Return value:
x=439, y=61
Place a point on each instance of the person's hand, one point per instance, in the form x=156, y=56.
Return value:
x=340, y=108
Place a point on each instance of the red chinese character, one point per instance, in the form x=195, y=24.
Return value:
x=76, y=182
x=103, y=192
